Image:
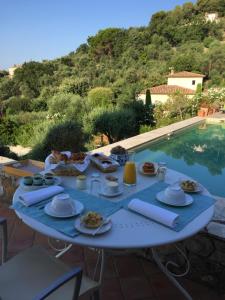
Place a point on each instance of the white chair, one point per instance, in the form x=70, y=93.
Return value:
x=35, y=275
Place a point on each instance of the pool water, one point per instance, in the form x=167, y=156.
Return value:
x=198, y=152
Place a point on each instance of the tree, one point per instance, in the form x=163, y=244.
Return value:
x=108, y=42
x=29, y=77
x=116, y=124
x=8, y=88
x=178, y=104
x=75, y=85
x=199, y=89
x=100, y=96
x=148, y=99
x=65, y=136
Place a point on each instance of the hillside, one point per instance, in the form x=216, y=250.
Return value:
x=122, y=61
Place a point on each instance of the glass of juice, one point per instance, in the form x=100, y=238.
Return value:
x=129, y=175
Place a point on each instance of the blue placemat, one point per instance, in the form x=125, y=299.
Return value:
x=66, y=226
x=186, y=213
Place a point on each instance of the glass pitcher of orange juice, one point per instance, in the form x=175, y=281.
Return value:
x=129, y=175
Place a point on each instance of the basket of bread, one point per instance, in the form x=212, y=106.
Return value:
x=119, y=154
x=104, y=163
x=66, y=163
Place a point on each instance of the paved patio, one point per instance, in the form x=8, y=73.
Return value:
x=126, y=277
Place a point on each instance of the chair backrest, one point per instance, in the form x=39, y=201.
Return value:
x=4, y=239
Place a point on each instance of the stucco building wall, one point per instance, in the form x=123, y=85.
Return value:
x=189, y=83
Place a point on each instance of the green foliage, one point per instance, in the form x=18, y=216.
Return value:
x=148, y=99
x=8, y=129
x=66, y=106
x=31, y=77
x=68, y=135
x=108, y=42
x=115, y=124
x=17, y=104
x=199, y=88
x=178, y=105
x=75, y=85
x=145, y=128
x=211, y=6
x=8, y=88
x=100, y=96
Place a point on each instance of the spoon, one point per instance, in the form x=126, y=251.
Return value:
x=106, y=221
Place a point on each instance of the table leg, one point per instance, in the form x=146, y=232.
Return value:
x=169, y=276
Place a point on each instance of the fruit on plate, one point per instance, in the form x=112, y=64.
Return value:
x=148, y=168
x=188, y=185
x=92, y=219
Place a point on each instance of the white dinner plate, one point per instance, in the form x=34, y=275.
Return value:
x=81, y=228
x=32, y=187
x=106, y=193
x=140, y=169
x=79, y=208
x=161, y=197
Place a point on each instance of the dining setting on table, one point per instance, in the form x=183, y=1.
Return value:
x=112, y=202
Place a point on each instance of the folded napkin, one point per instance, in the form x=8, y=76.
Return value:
x=31, y=198
x=153, y=212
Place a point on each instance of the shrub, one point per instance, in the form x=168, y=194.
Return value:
x=8, y=129
x=17, y=104
x=100, y=96
x=65, y=136
x=30, y=134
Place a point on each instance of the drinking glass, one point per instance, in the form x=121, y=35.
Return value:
x=95, y=185
x=129, y=175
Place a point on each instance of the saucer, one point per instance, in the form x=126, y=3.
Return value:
x=161, y=197
x=106, y=193
x=49, y=211
x=81, y=228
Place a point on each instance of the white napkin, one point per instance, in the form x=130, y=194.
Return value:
x=31, y=198
x=153, y=212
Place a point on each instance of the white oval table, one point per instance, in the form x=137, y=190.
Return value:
x=129, y=230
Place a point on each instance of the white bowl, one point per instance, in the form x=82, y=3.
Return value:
x=174, y=194
x=62, y=204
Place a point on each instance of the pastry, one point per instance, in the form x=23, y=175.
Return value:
x=92, y=219
x=188, y=185
x=78, y=157
x=63, y=157
x=148, y=167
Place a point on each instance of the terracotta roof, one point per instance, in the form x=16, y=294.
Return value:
x=185, y=74
x=169, y=89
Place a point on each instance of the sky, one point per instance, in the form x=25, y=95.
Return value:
x=47, y=29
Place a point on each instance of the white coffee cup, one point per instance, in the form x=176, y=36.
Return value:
x=174, y=194
x=112, y=187
x=62, y=204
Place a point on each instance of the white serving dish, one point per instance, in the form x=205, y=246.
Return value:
x=78, y=210
x=162, y=198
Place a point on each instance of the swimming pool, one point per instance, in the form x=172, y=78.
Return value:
x=198, y=151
